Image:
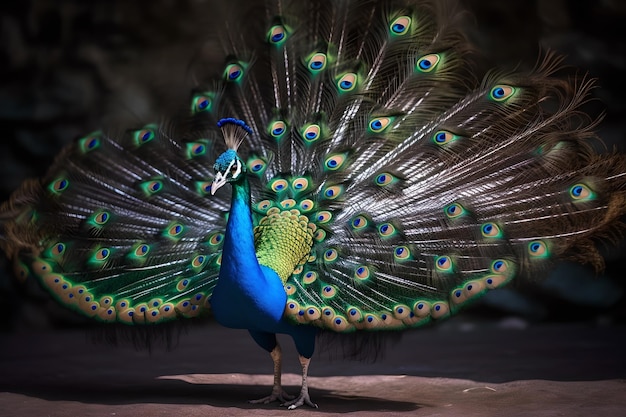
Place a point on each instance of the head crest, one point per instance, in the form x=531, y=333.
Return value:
x=234, y=131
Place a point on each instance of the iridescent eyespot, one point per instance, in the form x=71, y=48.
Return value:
x=385, y=178
x=362, y=273
x=537, y=248
x=58, y=185
x=400, y=26
x=311, y=133
x=347, y=82
x=317, y=62
x=101, y=217
x=501, y=92
x=201, y=102
x=277, y=34
x=379, y=124
x=56, y=250
x=143, y=136
x=402, y=311
x=151, y=187
x=359, y=222
x=386, y=230
x=443, y=136
x=198, y=261
x=175, y=231
x=490, y=230
x=141, y=250
x=328, y=291
x=256, y=165
x=306, y=205
x=155, y=186
x=401, y=253
x=427, y=63
x=332, y=192
x=300, y=184
x=106, y=301
x=312, y=313
x=288, y=203
x=354, y=314
x=421, y=308
x=279, y=185
x=195, y=149
x=215, y=239
x=264, y=205
x=290, y=289
x=439, y=309
x=277, y=129
x=494, y=281
x=330, y=255
x=203, y=187
x=323, y=217
x=101, y=254
x=454, y=210
x=443, y=263
x=309, y=277
x=339, y=323
x=581, y=192
x=89, y=143
x=320, y=235
x=233, y=72
x=499, y=266
x=335, y=161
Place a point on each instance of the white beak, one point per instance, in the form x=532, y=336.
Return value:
x=218, y=182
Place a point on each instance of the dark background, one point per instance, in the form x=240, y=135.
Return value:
x=71, y=67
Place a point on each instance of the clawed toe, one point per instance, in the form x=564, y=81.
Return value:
x=302, y=399
x=280, y=396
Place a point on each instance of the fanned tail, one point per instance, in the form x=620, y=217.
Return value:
x=121, y=229
x=424, y=185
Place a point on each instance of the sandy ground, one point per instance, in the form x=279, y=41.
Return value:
x=458, y=369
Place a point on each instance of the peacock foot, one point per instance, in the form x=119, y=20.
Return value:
x=278, y=394
x=302, y=399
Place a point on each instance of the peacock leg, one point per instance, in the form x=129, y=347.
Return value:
x=278, y=394
x=303, y=398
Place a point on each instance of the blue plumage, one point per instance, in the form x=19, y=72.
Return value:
x=375, y=186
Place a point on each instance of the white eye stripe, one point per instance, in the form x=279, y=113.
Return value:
x=238, y=170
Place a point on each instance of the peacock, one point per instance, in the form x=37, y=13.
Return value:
x=376, y=183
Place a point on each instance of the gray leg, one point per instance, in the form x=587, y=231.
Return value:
x=303, y=398
x=277, y=390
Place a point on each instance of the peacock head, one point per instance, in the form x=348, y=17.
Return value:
x=228, y=166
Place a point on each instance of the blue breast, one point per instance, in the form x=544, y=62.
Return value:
x=252, y=301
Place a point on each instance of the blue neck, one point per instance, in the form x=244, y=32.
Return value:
x=239, y=262
x=246, y=296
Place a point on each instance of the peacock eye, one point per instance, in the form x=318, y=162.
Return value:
x=277, y=34
x=89, y=142
x=317, y=62
x=233, y=72
x=502, y=92
x=347, y=82
x=201, y=102
x=427, y=63
x=379, y=124
x=443, y=137
x=311, y=133
x=277, y=129
x=400, y=26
